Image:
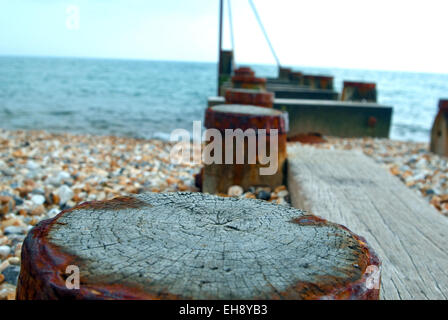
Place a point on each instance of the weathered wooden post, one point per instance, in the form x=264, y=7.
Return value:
x=250, y=143
x=225, y=68
x=244, y=78
x=318, y=82
x=194, y=246
x=244, y=71
x=439, y=131
x=225, y=58
x=359, y=91
x=284, y=73
x=250, y=97
x=296, y=78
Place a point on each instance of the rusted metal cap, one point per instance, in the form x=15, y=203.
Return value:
x=443, y=104
x=357, y=84
x=250, y=97
x=359, y=91
x=244, y=71
x=248, y=79
x=236, y=116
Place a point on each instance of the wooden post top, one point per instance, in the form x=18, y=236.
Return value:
x=358, y=84
x=246, y=110
x=250, y=97
x=244, y=71
x=443, y=104
x=237, y=116
x=194, y=246
x=310, y=76
x=248, y=79
x=246, y=75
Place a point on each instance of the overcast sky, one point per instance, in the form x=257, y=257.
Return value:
x=382, y=34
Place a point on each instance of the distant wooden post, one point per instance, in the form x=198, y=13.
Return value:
x=225, y=68
x=359, y=91
x=244, y=78
x=219, y=177
x=220, y=64
x=194, y=246
x=283, y=73
x=439, y=131
x=296, y=78
x=250, y=97
x=318, y=82
x=244, y=71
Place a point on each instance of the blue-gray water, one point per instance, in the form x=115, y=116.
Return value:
x=152, y=98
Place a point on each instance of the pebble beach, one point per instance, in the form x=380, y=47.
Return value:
x=419, y=169
x=43, y=173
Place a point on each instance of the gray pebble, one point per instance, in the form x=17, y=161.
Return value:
x=38, y=199
x=53, y=212
x=63, y=175
x=282, y=193
x=7, y=172
x=16, y=239
x=13, y=230
x=65, y=194
x=11, y=274
x=32, y=165
x=19, y=201
x=4, y=251
x=263, y=195
x=38, y=191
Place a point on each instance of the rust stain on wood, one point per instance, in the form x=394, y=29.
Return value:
x=331, y=287
x=221, y=120
x=119, y=203
x=43, y=264
x=250, y=97
x=43, y=276
x=309, y=220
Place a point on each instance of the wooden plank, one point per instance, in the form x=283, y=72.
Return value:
x=336, y=118
x=341, y=118
x=289, y=91
x=409, y=236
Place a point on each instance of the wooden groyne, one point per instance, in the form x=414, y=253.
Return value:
x=332, y=118
x=243, y=156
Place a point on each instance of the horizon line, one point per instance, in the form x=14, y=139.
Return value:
x=209, y=62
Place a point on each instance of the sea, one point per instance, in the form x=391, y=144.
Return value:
x=150, y=99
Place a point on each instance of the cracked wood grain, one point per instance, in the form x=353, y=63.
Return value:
x=408, y=234
x=194, y=246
